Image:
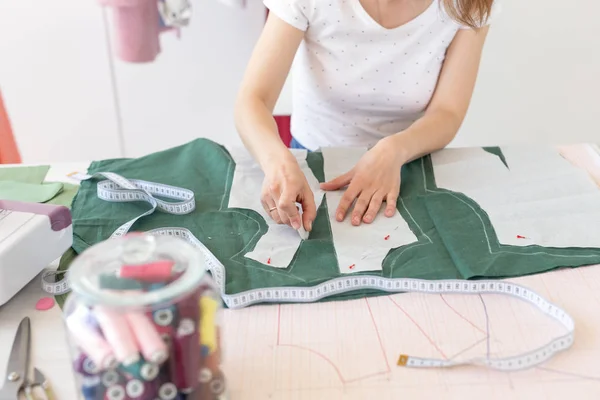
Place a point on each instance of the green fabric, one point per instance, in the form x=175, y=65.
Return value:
x=34, y=174
x=27, y=184
x=449, y=226
x=66, y=195
x=29, y=192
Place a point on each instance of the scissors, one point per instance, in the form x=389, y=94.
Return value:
x=18, y=368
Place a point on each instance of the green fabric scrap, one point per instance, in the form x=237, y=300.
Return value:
x=455, y=236
x=29, y=174
x=29, y=192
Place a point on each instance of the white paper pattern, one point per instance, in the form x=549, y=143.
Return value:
x=277, y=247
x=540, y=199
x=364, y=247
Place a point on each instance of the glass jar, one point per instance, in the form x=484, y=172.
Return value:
x=143, y=321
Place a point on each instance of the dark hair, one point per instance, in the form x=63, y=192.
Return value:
x=472, y=13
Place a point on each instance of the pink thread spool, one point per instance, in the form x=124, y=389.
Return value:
x=90, y=341
x=148, y=339
x=118, y=334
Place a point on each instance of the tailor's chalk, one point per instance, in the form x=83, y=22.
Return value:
x=141, y=370
x=116, y=392
x=113, y=282
x=85, y=366
x=208, y=334
x=301, y=231
x=168, y=391
x=118, y=334
x=89, y=339
x=186, y=360
x=154, y=272
x=148, y=338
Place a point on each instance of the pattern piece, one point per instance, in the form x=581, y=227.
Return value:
x=542, y=200
x=364, y=247
x=278, y=246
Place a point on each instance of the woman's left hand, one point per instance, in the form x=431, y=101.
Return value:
x=373, y=180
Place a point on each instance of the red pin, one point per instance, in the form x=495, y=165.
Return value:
x=521, y=237
x=269, y=260
x=352, y=266
x=387, y=237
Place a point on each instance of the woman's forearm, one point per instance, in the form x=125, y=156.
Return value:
x=428, y=134
x=258, y=131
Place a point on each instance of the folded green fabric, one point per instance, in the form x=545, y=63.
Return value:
x=29, y=192
x=66, y=195
x=34, y=174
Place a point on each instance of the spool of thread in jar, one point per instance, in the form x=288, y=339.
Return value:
x=186, y=358
x=148, y=339
x=154, y=272
x=89, y=339
x=118, y=334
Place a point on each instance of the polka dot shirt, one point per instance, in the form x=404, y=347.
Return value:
x=354, y=81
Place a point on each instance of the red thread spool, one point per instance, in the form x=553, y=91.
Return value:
x=185, y=362
x=155, y=272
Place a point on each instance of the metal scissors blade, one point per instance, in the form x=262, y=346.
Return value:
x=18, y=363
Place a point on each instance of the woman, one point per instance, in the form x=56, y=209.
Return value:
x=395, y=76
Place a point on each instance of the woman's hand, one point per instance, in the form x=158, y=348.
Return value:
x=283, y=187
x=374, y=179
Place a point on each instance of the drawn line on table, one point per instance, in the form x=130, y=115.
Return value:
x=573, y=374
x=461, y=315
x=487, y=326
x=387, y=363
x=431, y=341
x=468, y=348
x=278, y=323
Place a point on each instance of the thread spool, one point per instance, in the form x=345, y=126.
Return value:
x=138, y=390
x=141, y=370
x=168, y=391
x=186, y=362
x=117, y=333
x=154, y=272
x=85, y=366
x=90, y=340
x=116, y=392
x=91, y=388
x=114, y=282
x=148, y=339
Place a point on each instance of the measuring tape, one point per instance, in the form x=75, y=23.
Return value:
x=118, y=189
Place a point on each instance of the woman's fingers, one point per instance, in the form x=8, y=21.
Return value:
x=286, y=204
x=338, y=182
x=374, y=207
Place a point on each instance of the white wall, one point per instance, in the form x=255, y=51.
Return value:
x=189, y=91
x=538, y=81
x=540, y=76
x=55, y=81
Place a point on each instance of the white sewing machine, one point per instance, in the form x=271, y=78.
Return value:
x=32, y=236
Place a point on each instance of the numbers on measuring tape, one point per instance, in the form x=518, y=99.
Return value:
x=119, y=189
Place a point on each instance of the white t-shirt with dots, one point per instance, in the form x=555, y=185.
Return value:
x=354, y=81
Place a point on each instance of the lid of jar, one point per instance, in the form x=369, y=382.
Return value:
x=137, y=270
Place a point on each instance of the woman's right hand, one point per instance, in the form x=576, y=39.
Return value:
x=283, y=187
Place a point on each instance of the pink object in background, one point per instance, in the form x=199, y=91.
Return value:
x=136, y=29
